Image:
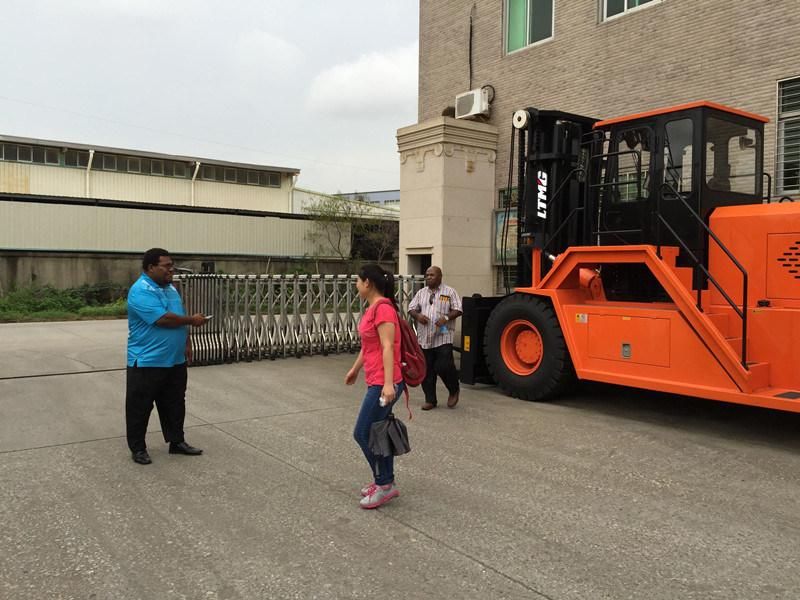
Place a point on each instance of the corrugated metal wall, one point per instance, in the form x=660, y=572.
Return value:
x=248, y=197
x=139, y=188
x=59, y=227
x=22, y=178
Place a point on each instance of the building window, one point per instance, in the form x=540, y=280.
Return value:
x=274, y=180
x=230, y=175
x=252, y=177
x=209, y=173
x=109, y=162
x=788, y=155
x=76, y=158
x=25, y=154
x=134, y=165
x=528, y=22
x=613, y=8
x=51, y=156
x=180, y=169
x=157, y=167
x=9, y=152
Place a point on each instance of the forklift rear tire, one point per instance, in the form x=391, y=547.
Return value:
x=525, y=349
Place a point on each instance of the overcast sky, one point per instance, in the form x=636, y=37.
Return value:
x=320, y=85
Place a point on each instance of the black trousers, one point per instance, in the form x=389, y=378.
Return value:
x=440, y=363
x=166, y=386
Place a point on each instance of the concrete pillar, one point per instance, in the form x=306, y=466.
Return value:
x=447, y=193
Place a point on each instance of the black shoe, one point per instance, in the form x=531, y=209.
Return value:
x=141, y=457
x=184, y=448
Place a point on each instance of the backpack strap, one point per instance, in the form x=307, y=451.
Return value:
x=405, y=393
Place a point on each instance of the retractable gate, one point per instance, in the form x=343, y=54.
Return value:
x=271, y=316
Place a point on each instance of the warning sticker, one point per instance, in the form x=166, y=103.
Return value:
x=466, y=343
x=581, y=318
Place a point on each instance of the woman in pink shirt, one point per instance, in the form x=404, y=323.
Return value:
x=380, y=357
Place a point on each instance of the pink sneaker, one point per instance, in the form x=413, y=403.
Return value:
x=381, y=494
x=368, y=489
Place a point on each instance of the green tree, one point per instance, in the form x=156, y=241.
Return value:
x=348, y=230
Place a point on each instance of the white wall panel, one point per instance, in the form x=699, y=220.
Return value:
x=40, y=226
x=248, y=197
x=139, y=188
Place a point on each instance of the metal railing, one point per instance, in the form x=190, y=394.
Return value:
x=259, y=317
x=742, y=313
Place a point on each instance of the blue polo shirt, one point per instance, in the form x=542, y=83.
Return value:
x=148, y=344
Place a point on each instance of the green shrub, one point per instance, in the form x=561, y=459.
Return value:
x=46, y=303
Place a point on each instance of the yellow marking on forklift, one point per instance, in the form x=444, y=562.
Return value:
x=626, y=318
x=581, y=318
x=466, y=343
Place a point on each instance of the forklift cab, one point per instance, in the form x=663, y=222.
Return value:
x=700, y=154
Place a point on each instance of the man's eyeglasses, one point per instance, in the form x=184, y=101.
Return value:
x=431, y=298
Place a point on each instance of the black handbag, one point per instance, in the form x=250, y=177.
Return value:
x=389, y=437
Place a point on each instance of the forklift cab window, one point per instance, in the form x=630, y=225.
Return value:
x=678, y=155
x=731, y=156
x=633, y=164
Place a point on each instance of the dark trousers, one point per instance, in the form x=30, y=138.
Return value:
x=166, y=386
x=439, y=363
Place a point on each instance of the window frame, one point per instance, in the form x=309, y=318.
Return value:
x=625, y=10
x=50, y=150
x=506, y=17
x=29, y=149
x=792, y=116
x=128, y=162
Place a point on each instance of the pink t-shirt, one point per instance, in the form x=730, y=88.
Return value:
x=380, y=312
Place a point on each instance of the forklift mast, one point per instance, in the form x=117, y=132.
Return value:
x=553, y=150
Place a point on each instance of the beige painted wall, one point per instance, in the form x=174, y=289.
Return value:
x=447, y=171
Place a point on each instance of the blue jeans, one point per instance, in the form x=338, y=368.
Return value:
x=372, y=412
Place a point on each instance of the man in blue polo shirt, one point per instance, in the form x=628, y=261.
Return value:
x=158, y=347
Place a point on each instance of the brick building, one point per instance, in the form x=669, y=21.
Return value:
x=607, y=58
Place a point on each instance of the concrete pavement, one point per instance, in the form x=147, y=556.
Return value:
x=607, y=493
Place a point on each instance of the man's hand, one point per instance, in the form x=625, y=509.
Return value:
x=198, y=320
x=421, y=318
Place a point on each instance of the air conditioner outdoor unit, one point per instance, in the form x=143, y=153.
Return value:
x=473, y=102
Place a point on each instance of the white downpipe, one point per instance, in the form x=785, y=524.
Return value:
x=194, y=176
x=292, y=185
x=89, y=168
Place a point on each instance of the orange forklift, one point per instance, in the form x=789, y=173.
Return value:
x=649, y=255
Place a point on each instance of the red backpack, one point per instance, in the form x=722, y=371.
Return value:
x=412, y=359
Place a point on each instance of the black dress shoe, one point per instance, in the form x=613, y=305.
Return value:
x=184, y=448
x=141, y=457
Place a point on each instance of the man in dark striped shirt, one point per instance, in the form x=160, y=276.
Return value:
x=435, y=308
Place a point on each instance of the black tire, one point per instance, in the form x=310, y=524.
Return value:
x=538, y=374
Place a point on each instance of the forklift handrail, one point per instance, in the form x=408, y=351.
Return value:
x=743, y=312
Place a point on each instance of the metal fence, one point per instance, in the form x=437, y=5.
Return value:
x=271, y=316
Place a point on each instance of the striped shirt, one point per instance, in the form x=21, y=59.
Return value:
x=435, y=304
